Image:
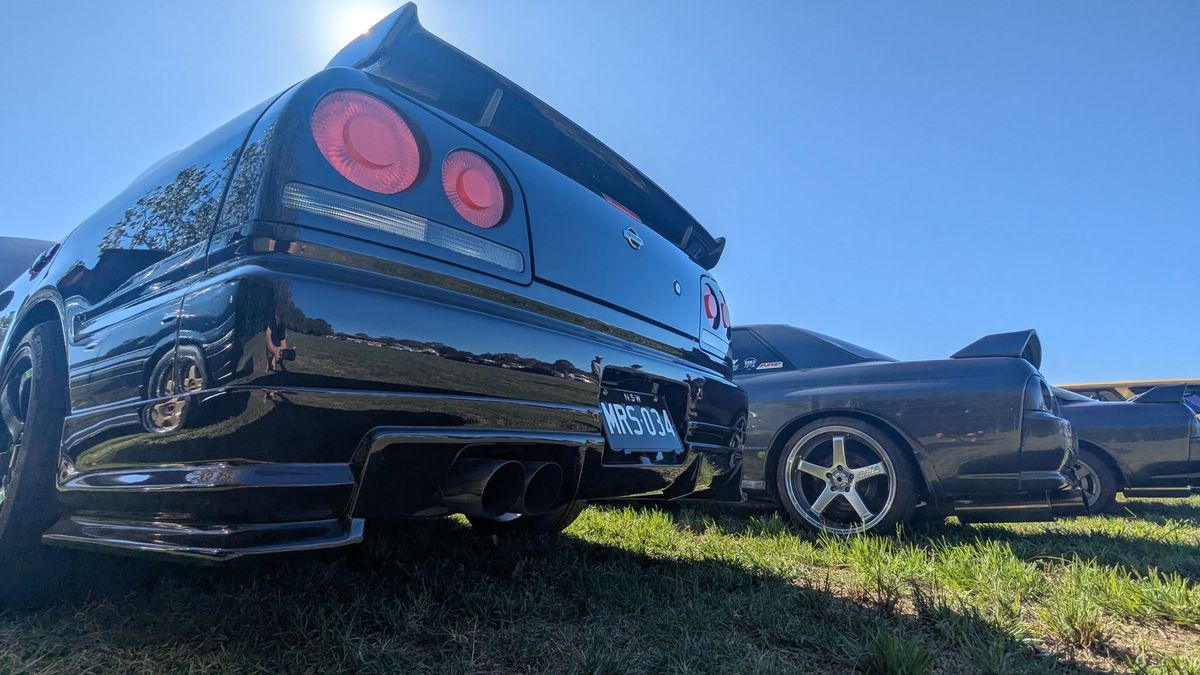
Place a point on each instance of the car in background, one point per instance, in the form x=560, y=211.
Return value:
x=849, y=440
x=1127, y=389
x=17, y=255
x=1148, y=446
x=328, y=311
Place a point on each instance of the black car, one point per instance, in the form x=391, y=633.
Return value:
x=1148, y=446
x=404, y=287
x=849, y=440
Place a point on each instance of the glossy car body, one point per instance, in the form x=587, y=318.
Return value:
x=1126, y=389
x=984, y=450
x=1152, y=442
x=404, y=353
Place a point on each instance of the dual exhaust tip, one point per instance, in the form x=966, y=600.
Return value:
x=493, y=487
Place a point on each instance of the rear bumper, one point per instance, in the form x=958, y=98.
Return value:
x=1047, y=449
x=363, y=424
x=229, y=509
x=1046, y=488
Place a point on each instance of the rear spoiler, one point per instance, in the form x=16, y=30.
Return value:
x=1022, y=344
x=1170, y=393
x=400, y=50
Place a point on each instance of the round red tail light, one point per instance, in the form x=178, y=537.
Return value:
x=366, y=141
x=712, y=308
x=474, y=188
x=725, y=314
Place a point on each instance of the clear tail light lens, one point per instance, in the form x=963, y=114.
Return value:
x=474, y=188
x=355, y=211
x=367, y=142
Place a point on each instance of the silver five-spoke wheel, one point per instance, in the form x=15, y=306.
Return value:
x=843, y=476
x=1097, y=480
x=1088, y=484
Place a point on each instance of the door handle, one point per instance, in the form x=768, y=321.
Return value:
x=42, y=260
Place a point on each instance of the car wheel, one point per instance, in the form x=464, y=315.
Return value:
x=554, y=520
x=843, y=476
x=1097, y=481
x=33, y=402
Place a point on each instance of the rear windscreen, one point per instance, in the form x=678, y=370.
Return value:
x=433, y=71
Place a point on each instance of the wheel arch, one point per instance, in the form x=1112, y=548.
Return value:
x=43, y=307
x=1108, y=458
x=929, y=482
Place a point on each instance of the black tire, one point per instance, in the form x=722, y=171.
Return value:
x=1099, y=483
x=554, y=520
x=33, y=403
x=818, y=492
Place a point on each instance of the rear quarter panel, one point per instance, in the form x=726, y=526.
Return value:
x=961, y=418
x=1148, y=441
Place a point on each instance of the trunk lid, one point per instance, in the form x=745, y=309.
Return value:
x=600, y=228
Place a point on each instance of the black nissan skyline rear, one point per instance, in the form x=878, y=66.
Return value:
x=404, y=287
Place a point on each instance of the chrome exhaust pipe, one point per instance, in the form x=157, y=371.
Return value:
x=543, y=482
x=483, y=487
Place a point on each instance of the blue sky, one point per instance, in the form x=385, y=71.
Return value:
x=909, y=176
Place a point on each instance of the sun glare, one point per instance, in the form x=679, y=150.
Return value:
x=354, y=19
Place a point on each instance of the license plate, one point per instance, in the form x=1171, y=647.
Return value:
x=639, y=424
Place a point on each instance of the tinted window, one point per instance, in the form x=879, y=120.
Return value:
x=442, y=76
x=1192, y=399
x=861, y=352
x=805, y=349
x=161, y=222
x=751, y=354
x=1066, y=396
x=172, y=206
x=1100, y=394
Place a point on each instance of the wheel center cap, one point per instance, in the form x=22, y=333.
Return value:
x=840, y=478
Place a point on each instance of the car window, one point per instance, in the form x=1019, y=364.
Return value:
x=806, y=349
x=1192, y=399
x=856, y=350
x=1067, y=396
x=752, y=355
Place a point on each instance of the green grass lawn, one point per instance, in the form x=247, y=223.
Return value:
x=648, y=590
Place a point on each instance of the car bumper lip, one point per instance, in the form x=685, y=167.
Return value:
x=1055, y=494
x=201, y=542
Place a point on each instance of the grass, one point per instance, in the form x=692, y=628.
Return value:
x=632, y=589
